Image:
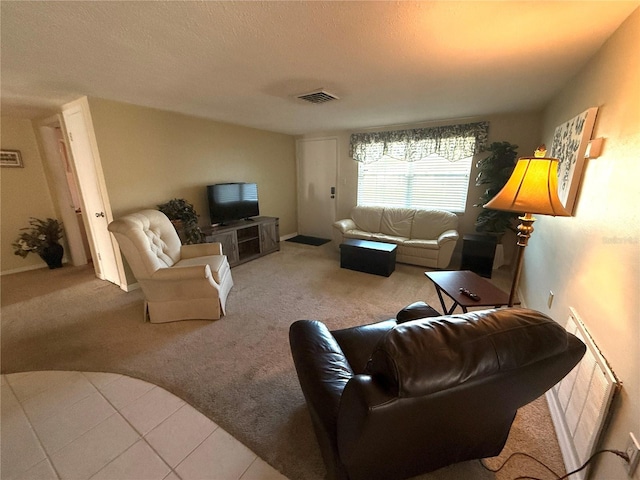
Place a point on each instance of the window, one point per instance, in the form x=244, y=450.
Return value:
x=420, y=168
x=433, y=182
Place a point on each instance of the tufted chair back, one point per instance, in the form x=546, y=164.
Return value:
x=148, y=240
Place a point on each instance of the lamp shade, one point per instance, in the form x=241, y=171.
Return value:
x=532, y=188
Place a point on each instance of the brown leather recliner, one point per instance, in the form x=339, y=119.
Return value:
x=396, y=399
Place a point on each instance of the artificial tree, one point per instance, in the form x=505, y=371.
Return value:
x=493, y=173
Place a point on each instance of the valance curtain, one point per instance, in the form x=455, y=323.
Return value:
x=453, y=142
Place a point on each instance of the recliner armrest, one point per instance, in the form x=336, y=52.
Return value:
x=323, y=372
x=358, y=343
x=416, y=311
x=182, y=273
x=322, y=368
x=200, y=250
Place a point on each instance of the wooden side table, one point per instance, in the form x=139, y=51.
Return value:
x=450, y=283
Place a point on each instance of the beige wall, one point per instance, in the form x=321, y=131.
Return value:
x=25, y=192
x=592, y=260
x=150, y=156
x=522, y=129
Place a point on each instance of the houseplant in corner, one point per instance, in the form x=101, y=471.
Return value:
x=493, y=173
x=184, y=218
x=41, y=237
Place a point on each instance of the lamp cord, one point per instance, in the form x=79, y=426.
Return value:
x=620, y=454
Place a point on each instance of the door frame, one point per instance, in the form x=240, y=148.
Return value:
x=113, y=259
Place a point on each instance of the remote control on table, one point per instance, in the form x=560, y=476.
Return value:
x=469, y=294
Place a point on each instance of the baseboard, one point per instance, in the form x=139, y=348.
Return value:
x=130, y=288
x=569, y=456
x=23, y=269
x=286, y=237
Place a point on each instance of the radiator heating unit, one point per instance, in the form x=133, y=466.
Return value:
x=580, y=403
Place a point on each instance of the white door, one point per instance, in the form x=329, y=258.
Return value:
x=317, y=163
x=96, y=214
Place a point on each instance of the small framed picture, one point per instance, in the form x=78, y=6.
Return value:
x=10, y=158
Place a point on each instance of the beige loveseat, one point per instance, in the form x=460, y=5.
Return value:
x=424, y=237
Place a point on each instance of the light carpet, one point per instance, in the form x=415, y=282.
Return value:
x=238, y=370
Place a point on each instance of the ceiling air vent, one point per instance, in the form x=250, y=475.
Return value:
x=319, y=96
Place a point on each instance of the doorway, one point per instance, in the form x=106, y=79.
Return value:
x=317, y=165
x=64, y=189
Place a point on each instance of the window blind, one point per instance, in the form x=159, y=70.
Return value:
x=433, y=182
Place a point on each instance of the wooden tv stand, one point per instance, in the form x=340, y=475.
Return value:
x=246, y=240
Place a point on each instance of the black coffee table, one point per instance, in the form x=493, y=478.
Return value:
x=450, y=283
x=368, y=257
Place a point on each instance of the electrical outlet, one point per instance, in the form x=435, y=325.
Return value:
x=550, y=300
x=633, y=452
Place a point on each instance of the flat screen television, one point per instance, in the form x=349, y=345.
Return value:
x=232, y=201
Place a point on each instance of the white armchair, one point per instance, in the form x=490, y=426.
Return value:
x=179, y=282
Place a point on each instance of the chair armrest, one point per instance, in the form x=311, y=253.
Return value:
x=323, y=372
x=200, y=250
x=322, y=369
x=181, y=283
x=448, y=236
x=363, y=400
x=182, y=273
x=416, y=311
x=344, y=225
x=357, y=343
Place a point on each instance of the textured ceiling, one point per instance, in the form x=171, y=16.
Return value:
x=245, y=62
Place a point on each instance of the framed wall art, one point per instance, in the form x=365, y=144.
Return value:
x=10, y=158
x=570, y=142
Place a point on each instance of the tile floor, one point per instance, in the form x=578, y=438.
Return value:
x=104, y=426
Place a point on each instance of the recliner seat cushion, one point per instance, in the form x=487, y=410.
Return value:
x=462, y=348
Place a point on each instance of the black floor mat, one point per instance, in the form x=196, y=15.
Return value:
x=316, y=241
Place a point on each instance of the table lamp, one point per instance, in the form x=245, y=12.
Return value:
x=531, y=189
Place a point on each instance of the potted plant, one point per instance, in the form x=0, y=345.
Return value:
x=184, y=217
x=41, y=237
x=493, y=173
